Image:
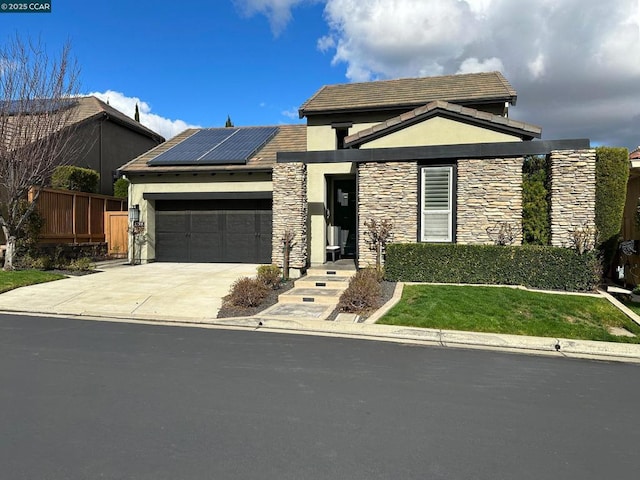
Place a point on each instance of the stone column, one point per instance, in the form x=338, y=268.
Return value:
x=290, y=213
x=573, y=194
x=489, y=195
x=387, y=191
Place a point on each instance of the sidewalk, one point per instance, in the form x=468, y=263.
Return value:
x=182, y=310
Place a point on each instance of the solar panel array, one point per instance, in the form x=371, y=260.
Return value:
x=217, y=146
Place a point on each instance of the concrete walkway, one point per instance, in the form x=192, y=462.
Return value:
x=191, y=295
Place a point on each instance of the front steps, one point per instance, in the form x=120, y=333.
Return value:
x=313, y=296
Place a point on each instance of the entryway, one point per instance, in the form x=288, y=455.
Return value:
x=341, y=203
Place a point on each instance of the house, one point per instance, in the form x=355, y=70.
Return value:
x=437, y=156
x=107, y=138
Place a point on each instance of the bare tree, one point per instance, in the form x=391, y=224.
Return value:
x=36, y=127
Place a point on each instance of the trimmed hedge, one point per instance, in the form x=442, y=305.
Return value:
x=77, y=179
x=612, y=173
x=533, y=266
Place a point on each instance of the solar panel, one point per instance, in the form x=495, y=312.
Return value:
x=217, y=146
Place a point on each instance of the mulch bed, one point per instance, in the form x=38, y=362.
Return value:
x=227, y=311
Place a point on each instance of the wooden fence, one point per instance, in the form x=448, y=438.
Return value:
x=78, y=217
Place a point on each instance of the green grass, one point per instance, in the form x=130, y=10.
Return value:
x=511, y=311
x=22, y=278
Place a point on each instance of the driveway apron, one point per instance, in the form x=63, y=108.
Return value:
x=176, y=291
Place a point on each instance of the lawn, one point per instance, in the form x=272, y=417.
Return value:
x=22, y=278
x=511, y=311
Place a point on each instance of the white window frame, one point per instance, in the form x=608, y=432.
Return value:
x=424, y=213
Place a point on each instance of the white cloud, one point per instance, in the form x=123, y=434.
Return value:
x=291, y=113
x=277, y=11
x=164, y=126
x=564, y=57
x=473, y=65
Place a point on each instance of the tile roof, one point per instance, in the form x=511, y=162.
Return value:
x=635, y=155
x=410, y=92
x=490, y=120
x=290, y=138
x=81, y=110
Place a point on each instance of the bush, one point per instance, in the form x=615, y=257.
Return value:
x=83, y=264
x=77, y=179
x=363, y=293
x=247, y=292
x=270, y=275
x=121, y=188
x=42, y=262
x=612, y=173
x=29, y=233
x=533, y=266
x=536, y=221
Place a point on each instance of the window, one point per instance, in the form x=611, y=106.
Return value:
x=341, y=134
x=437, y=204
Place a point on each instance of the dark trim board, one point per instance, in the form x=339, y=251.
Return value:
x=208, y=196
x=435, y=152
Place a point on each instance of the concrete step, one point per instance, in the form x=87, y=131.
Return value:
x=323, y=281
x=331, y=272
x=325, y=296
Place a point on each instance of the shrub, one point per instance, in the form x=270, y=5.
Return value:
x=529, y=265
x=363, y=293
x=83, y=264
x=42, y=262
x=29, y=232
x=536, y=221
x=78, y=179
x=270, y=275
x=247, y=292
x=612, y=173
x=121, y=188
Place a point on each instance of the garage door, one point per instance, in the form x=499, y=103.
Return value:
x=225, y=230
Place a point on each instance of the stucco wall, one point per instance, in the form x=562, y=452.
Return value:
x=489, y=195
x=573, y=194
x=387, y=191
x=439, y=131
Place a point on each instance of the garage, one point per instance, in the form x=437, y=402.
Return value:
x=220, y=230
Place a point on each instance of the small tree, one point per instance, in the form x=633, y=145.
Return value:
x=228, y=123
x=121, y=188
x=136, y=115
x=379, y=235
x=36, y=127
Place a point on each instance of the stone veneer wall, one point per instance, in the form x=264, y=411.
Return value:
x=573, y=194
x=387, y=191
x=290, y=212
x=489, y=192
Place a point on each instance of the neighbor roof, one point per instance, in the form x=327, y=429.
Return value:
x=83, y=109
x=289, y=138
x=410, y=93
x=439, y=107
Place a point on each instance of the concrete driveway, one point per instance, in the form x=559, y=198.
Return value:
x=171, y=291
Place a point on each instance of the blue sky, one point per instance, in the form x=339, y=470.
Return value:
x=574, y=63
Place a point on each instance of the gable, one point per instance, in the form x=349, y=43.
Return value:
x=439, y=131
x=453, y=124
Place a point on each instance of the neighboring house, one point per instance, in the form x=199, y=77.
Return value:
x=437, y=156
x=108, y=138
x=112, y=138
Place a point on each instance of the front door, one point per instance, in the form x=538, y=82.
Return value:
x=342, y=214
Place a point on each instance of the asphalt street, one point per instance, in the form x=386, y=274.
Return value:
x=84, y=399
